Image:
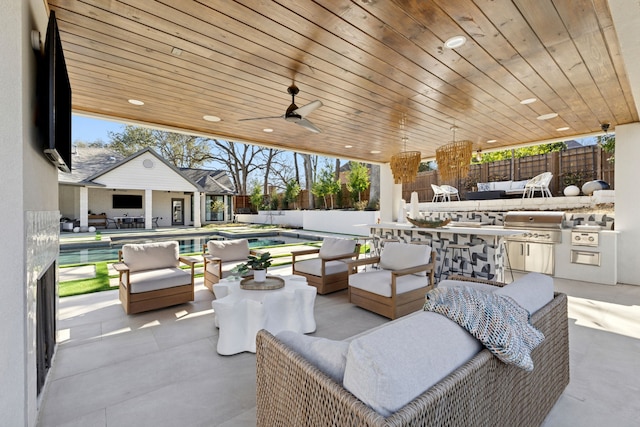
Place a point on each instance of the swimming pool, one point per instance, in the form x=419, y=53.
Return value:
x=190, y=245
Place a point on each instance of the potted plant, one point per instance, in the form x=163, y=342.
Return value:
x=258, y=264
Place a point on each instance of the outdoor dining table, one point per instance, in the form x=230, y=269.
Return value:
x=120, y=220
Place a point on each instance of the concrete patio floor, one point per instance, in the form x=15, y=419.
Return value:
x=161, y=368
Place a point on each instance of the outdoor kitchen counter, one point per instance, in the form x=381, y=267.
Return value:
x=486, y=245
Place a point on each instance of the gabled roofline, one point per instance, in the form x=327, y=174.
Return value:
x=138, y=154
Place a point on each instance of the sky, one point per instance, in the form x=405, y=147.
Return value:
x=89, y=130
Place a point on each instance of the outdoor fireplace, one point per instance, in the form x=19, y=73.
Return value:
x=45, y=323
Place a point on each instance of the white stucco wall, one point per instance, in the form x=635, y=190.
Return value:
x=627, y=205
x=29, y=195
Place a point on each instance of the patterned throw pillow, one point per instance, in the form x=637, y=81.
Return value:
x=484, y=186
x=496, y=320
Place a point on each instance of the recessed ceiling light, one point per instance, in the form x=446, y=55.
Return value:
x=375, y=151
x=211, y=118
x=175, y=51
x=348, y=146
x=491, y=141
x=528, y=101
x=268, y=130
x=455, y=42
x=563, y=128
x=548, y=116
x=135, y=102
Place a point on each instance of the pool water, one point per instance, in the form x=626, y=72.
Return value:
x=191, y=245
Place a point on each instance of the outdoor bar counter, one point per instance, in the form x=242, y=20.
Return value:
x=486, y=245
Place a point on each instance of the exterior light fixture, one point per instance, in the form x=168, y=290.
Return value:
x=455, y=42
x=405, y=164
x=135, y=102
x=548, y=116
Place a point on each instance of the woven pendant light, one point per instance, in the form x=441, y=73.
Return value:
x=405, y=164
x=454, y=158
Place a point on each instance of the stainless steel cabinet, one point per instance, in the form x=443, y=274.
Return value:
x=535, y=257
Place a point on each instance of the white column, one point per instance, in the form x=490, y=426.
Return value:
x=390, y=195
x=627, y=205
x=203, y=200
x=148, y=209
x=84, y=208
x=196, y=209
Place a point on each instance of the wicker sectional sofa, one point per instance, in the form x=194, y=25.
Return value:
x=483, y=391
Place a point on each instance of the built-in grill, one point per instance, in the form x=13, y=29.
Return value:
x=543, y=227
x=534, y=250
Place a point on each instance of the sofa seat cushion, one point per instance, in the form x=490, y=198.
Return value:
x=398, y=256
x=432, y=347
x=314, y=267
x=148, y=256
x=161, y=278
x=333, y=246
x=329, y=356
x=229, y=250
x=379, y=282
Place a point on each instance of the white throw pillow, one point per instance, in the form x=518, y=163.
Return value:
x=518, y=185
x=484, y=186
x=501, y=185
x=432, y=347
x=398, y=256
x=332, y=246
x=327, y=355
x=229, y=250
x=149, y=256
x=532, y=292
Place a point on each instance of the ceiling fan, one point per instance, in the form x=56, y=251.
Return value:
x=294, y=114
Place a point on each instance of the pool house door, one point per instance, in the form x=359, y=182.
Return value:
x=177, y=211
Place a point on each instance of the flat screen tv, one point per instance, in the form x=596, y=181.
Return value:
x=54, y=100
x=127, y=201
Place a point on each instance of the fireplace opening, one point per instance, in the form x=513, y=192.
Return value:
x=45, y=323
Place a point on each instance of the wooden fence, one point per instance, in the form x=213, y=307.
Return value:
x=569, y=167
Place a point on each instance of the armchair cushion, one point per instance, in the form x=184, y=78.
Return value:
x=332, y=246
x=149, y=256
x=327, y=355
x=379, y=282
x=161, y=278
x=314, y=267
x=398, y=256
x=432, y=347
x=229, y=250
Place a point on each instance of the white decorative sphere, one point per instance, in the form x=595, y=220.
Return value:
x=571, y=190
x=92, y=229
x=76, y=229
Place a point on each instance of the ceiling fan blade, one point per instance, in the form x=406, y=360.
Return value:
x=308, y=125
x=261, y=118
x=309, y=108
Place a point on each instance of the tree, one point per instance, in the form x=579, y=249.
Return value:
x=257, y=196
x=520, y=152
x=608, y=145
x=357, y=179
x=310, y=163
x=326, y=185
x=291, y=192
x=181, y=150
x=240, y=160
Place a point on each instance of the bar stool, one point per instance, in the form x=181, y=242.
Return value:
x=368, y=242
x=454, y=247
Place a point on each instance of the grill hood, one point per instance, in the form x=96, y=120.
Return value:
x=534, y=219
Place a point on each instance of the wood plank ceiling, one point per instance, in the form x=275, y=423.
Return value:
x=370, y=62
